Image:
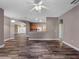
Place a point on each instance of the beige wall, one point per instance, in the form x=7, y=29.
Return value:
x=9, y=30
x=52, y=27
x=6, y=28
x=27, y=28
x=12, y=30
x=71, y=27
x=1, y=26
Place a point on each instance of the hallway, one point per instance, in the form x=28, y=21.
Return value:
x=36, y=49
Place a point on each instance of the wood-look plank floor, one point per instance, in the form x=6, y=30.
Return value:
x=21, y=49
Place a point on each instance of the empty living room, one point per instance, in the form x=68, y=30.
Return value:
x=39, y=29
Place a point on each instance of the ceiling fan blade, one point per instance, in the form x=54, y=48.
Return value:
x=33, y=9
x=36, y=9
x=41, y=2
x=44, y=7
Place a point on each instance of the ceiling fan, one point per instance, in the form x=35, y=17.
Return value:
x=38, y=5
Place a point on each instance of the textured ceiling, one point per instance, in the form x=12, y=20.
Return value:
x=21, y=9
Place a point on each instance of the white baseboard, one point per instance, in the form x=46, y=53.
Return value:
x=12, y=38
x=42, y=39
x=71, y=46
x=1, y=46
x=9, y=39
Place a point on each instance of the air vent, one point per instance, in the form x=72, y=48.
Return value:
x=74, y=1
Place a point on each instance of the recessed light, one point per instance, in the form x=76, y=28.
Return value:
x=12, y=21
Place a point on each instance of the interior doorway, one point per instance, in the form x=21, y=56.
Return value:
x=61, y=29
x=20, y=28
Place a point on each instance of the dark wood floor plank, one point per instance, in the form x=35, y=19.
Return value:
x=37, y=49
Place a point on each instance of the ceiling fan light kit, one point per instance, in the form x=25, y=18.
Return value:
x=38, y=6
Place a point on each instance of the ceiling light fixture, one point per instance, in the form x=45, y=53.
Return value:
x=39, y=6
x=13, y=21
